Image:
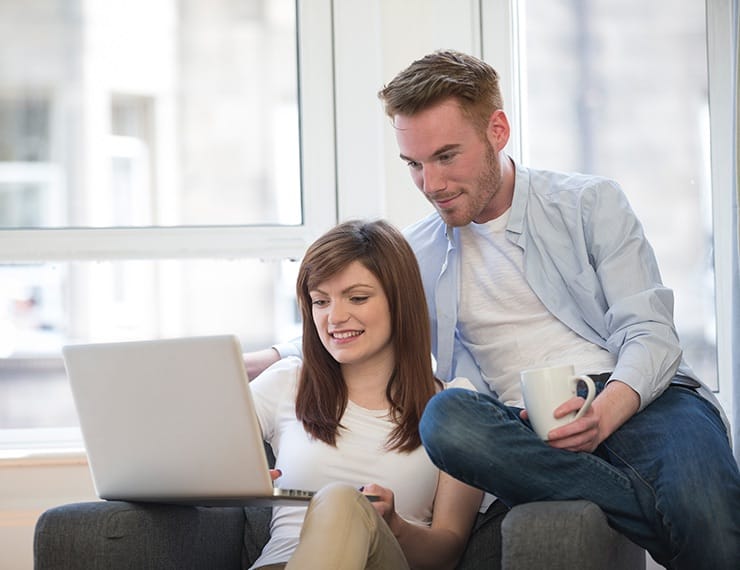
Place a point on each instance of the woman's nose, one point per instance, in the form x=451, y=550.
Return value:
x=337, y=314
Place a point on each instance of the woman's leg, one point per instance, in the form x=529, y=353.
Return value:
x=343, y=530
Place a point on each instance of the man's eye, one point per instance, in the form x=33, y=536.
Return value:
x=446, y=157
x=413, y=165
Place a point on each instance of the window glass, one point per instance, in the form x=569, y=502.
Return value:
x=148, y=113
x=43, y=307
x=179, y=114
x=619, y=88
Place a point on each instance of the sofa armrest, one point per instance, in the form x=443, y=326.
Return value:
x=118, y=535
x=561, y=535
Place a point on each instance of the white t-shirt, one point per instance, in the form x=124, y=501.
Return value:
x=358, y=459
x=516, y=331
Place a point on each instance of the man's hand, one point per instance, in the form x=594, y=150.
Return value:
x=582, y=434
x=610, y=409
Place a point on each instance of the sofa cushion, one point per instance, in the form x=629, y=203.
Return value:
x=256, y=533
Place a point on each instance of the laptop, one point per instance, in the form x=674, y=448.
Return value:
x=172, y=421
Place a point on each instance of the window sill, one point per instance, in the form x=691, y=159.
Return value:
x=36, y=447
x=42, y=458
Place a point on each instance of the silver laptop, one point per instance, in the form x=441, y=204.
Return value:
x=172, y=421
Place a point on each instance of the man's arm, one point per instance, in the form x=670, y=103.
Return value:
x=256, y=362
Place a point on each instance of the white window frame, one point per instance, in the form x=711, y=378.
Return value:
x=319, y=206
x=722, y=65
x=318, y=192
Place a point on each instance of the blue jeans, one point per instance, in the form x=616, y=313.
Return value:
x=666, y=479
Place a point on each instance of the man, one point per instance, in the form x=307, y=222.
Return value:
x=526, y=268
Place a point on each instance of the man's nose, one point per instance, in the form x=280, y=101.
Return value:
x=432, y=179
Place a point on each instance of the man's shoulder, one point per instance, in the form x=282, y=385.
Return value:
x=554, y=184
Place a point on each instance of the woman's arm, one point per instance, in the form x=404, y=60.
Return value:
x=441, y=545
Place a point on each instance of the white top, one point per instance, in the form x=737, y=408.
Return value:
x=518, y=331
x=358, y=459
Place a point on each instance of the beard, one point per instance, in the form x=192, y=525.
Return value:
x=486, y=186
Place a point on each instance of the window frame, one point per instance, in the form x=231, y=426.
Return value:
x=268, y=241
x=316, y=100
x=722, y=40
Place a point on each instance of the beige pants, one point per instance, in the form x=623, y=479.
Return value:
x=342, y=531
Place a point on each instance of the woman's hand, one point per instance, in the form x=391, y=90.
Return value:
x=275, y=474
x=385, y=506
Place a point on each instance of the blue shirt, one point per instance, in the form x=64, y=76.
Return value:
x=586, y=258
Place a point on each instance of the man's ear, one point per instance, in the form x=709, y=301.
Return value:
x=498, y=130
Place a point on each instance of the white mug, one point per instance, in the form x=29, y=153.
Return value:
x=544, y=389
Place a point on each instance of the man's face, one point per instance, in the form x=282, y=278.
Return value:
x=455, y=167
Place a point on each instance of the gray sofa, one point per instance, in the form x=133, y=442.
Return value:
x=114, y=535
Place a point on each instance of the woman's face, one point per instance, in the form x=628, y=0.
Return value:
x=352, y=317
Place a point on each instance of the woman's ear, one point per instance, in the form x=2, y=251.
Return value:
x=498, y=130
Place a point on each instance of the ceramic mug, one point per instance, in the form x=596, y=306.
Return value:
x=544, y=389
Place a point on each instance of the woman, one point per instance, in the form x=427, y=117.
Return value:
x=344, y=420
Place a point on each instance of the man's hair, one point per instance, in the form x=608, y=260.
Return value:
x=442, y=75
x=322, y=394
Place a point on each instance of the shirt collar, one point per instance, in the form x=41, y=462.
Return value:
x=519, y=200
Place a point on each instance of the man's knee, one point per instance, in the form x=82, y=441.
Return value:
x=441, y=422
x=433, y=415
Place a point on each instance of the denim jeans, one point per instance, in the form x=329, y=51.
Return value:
x=666, y=479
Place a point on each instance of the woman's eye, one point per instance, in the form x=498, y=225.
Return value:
x=359, y=298
x=318, y=302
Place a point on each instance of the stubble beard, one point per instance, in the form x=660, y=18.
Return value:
x=487, y=185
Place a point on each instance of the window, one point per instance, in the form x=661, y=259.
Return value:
x=617, y=88
x=154, y=179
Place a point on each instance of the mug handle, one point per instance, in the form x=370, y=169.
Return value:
x=589, y=397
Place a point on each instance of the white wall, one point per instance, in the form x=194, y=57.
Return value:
x=27, y=489
x=374, y=41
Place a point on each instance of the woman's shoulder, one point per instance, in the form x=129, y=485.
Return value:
x=279, y=376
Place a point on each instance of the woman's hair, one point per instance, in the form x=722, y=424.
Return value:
x=443, y=75
x=322, y=393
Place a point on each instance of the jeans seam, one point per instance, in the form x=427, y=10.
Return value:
x=609, y=469
x=666, y=524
